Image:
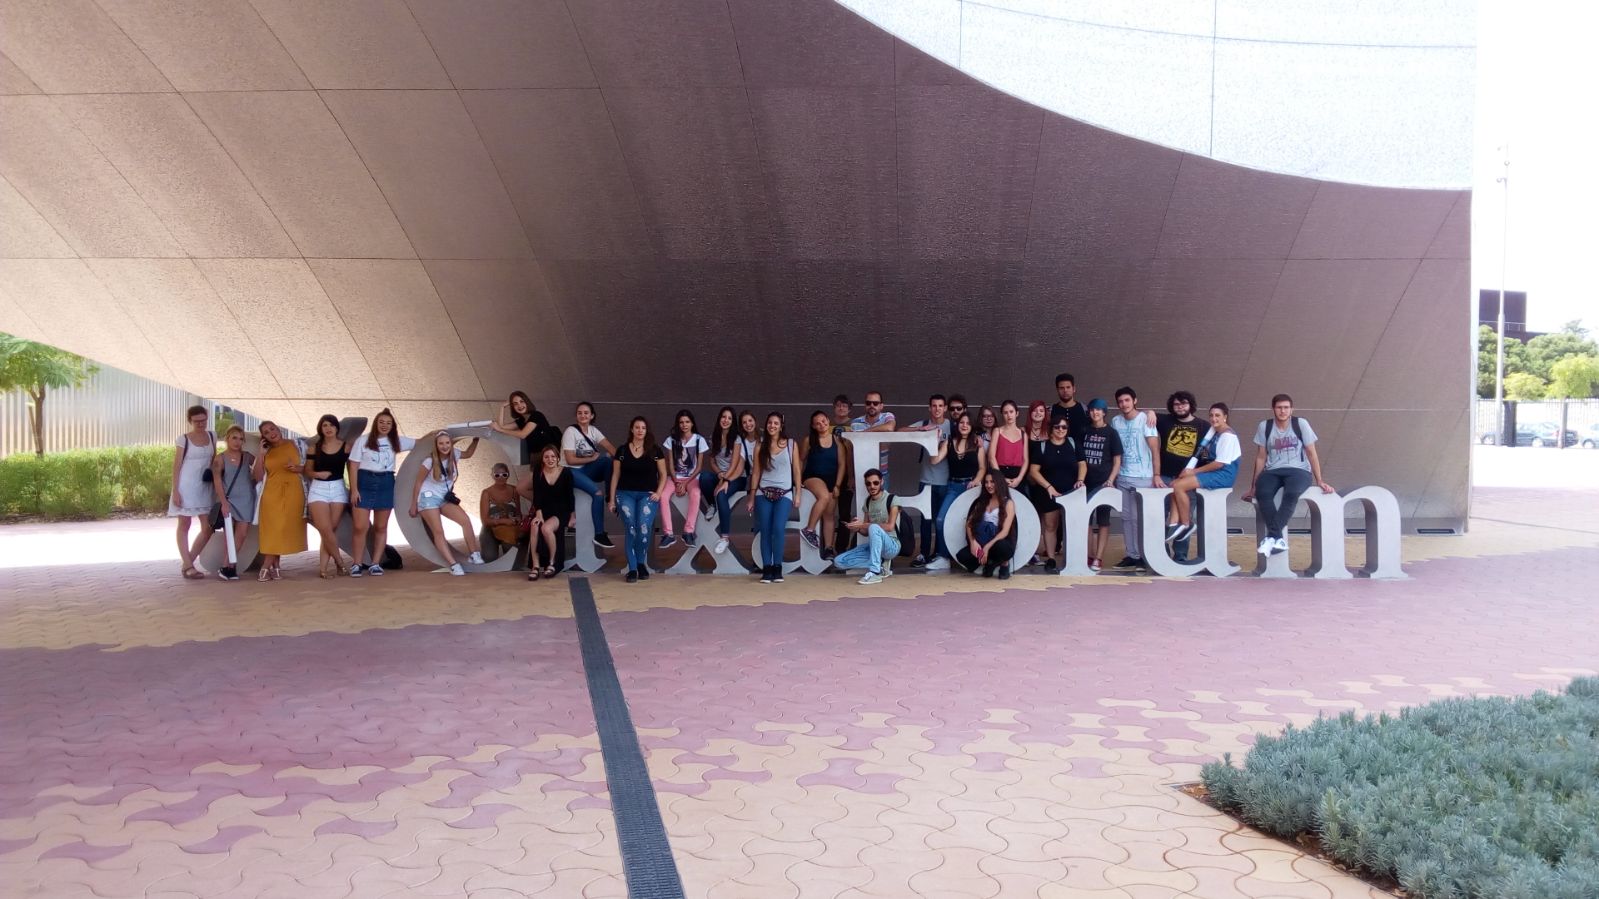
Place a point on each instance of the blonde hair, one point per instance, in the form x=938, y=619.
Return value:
x=230, y=431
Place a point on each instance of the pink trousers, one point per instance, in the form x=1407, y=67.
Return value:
x=693, y=499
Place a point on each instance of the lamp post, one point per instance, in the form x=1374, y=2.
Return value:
x=1504, y=257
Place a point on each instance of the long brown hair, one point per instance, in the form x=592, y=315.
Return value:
x=763, y=449
x=980, y=505
x=394, y=431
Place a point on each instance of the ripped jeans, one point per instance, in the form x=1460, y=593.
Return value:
x=638, y=516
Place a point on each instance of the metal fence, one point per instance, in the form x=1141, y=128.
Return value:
x=114, y=408
x=1580, y=415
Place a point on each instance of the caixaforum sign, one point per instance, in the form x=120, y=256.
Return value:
x=1327, y=531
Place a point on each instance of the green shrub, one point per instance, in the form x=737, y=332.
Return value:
x=1460, y=798
x=80, y=484
x=22, y=484
x=146, y=477
x=86, y=483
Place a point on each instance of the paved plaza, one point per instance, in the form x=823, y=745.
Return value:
x=945, y=736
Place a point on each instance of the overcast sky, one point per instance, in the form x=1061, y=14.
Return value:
x=1537, y=89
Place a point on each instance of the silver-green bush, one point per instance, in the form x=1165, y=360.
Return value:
x=1458, y=799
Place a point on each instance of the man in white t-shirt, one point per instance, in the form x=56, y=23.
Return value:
x=1140, y=448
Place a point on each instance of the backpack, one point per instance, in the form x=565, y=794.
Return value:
x=904, y=531
x=1293, y=422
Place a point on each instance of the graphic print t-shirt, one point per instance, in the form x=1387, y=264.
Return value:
x=1135, y=445
x=1283, y=449
x=1179, y=440
x=682, y=457
x=1100, y=447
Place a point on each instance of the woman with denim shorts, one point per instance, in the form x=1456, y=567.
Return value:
x=434, y=499
x=1215, y=467
x=372, y=466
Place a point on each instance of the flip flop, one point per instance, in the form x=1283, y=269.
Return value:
x=191, y=574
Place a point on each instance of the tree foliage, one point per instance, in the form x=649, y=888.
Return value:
x=36, y=369
x=1545, y=350
x=1524, y=387
x=1575, y=377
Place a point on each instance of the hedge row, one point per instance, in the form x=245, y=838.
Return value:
x=84, y=484
x=1458, y=799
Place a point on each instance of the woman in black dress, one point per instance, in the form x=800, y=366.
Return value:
x=551, y=492
x=1054, y=470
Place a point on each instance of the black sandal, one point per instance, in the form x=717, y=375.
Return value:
x=533, y=575
x=549, y=571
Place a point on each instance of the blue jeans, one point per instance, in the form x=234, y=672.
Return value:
x=638, y=514
x=771, y=519
x=952, y=492
x=724, y=504
x=591, y=478
x=870, y=552
x=940, y=491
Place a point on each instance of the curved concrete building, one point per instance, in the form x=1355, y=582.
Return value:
x=300, y=206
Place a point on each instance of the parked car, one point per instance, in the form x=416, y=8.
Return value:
x=1589, y=437
x=1541, y=433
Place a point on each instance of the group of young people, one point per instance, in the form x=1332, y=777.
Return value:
x=1035, y=456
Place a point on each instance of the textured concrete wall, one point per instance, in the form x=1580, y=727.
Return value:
x=298, y=207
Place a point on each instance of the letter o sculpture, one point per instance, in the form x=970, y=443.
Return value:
x=1028, y=530
x=416, y=533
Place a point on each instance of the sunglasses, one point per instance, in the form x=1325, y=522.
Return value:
x=501, y=475
x=874, y=402
x=1059, y=426
x=874, y=483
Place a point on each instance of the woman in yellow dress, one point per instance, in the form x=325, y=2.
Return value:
x=281, y=530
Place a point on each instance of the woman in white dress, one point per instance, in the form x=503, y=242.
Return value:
x=192, y=495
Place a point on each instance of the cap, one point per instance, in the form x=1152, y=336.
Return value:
x=1098, y=403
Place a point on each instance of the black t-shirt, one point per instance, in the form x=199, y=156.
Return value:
x=1057, y=463
x=1076, y=417
x=1100, y=447
x=537, y=439
x=638, y=472
x=1179, y=440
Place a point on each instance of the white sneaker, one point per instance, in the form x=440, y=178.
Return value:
x=721, y=545
x=871, y=577
x=457, y=570
x=475, y=558
x=1280, y=545
x=938, y=564
x=888, y=569
x=1266, y=546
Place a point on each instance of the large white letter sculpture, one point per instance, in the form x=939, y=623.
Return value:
x=705, y=533
x=1212, y=534
x=810, y=557
x=1080, y=506
x=1027, y=525
x=416, y=533
x=865, y=449
x=1327, y=537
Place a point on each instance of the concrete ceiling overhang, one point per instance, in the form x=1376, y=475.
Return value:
x=299, y=206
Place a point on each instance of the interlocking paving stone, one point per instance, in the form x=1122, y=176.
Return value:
x=927, y=736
